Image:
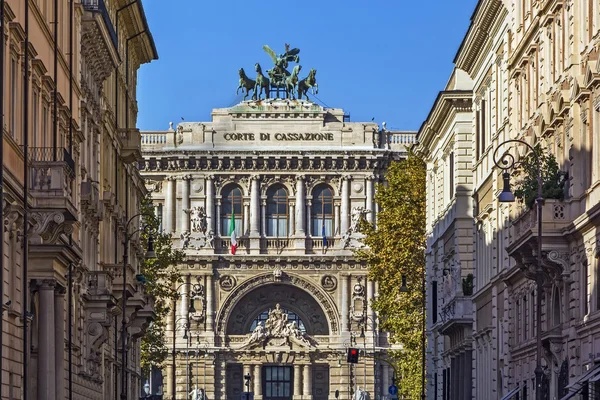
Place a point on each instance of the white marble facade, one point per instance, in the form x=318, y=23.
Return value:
x=292, y=299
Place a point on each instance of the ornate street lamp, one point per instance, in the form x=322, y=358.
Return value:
x=506, y=162
x=150, y=253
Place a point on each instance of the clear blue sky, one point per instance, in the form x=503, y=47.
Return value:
x=382, y=59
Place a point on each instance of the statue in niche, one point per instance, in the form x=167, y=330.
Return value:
x=198, y=219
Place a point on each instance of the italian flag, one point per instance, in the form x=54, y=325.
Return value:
x=232, y=233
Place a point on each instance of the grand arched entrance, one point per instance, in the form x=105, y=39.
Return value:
x=278, y=334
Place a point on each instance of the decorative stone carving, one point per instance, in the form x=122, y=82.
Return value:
x=277, y=326
x=358, y=308
x=153, y=186
x=227, y=282
x=48, y=226
x=329, y=283
x=198, y=219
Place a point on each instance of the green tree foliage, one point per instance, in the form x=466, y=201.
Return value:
x=161, y=275
x=396, y=249
x=552, y=177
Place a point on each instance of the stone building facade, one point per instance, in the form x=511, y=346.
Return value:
x=82, y=186
x=294, y=178
x=531, y=73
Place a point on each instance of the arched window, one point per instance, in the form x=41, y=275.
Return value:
x=322, y=211
x=232, y=205
x=277, y=211
x=291, y=317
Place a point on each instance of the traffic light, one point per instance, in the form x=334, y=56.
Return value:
x=353, y=355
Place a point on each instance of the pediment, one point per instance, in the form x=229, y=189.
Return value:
x=591, y=76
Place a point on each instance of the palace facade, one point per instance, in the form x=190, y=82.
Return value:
x=62, y=282
x=525, y=70
x=287, y=180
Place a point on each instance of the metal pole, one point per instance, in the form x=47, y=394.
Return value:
x=1, y=177
x=364, y=361
x=25, y=281
x=187, y=366
x=123, y=318
x=173, y=355
x=55, y=91
x=539, y=393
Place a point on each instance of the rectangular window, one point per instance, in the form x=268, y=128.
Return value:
x=525, y=318
x=584, y=284
x=518, y=322
x=483, y=126
x=226, y=225
x=34, y=118
x=318, y=226
x=451, y=172
x=44, y=138
x=434, y=305
x=14, y=87
x=477, y=134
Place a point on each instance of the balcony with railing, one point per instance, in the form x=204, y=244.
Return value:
x=51, y=177
x=99, y=39
x=132, y=145
x=456, y=315
x=156, y=140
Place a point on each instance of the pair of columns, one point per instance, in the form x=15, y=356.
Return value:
x=302, y=380
x=256, y=212
x=170, y=209
x=51, y=341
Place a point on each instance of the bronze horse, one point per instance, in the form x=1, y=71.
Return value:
x=245, y=83
x=262, y=83
x=309, y=82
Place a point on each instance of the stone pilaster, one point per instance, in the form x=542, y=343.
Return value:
x=46, y=378
x=300, y=207
x=210, y=204
x=170, y=205
x=255, y=207
x=59, y=339
x=185, y=203
x=345, y=206
x=336, y=216
x=369, y=194
x=344, y=300
x=210, y=304
x=218, y=219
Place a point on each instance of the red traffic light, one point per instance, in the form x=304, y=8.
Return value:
x=353, y=355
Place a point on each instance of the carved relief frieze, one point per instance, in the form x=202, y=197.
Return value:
x=329, y=282
x=359, y=299
x=227, y=282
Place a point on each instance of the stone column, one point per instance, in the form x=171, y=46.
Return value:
x=385, y=380
x=369, y=194
x=46, y=378
x=309, y=228
x=255, y=207
x=247, y=371
x=185, y=203
x=300, y=208
x=263, y=217
x=336, y=216
x=292, y=226
x=345, y=208
x=210, y=204
x=307, y=381
x=246, y=218
x=257, y=380
x=370, y=296
x=210, y=314
x=297, y=381
x=59, y=347
x=344, y=301
x=218, y=219
x=170, y=207
x=185, y=297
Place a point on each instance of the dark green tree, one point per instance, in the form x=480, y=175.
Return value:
x=161, y=275
x=394, y=250
x=553, y=179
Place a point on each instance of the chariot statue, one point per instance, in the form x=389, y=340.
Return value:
x=279, y=78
